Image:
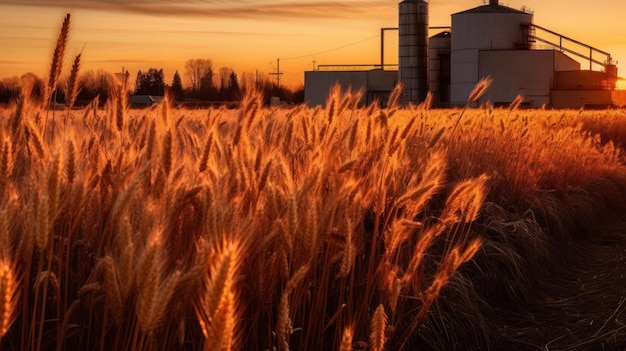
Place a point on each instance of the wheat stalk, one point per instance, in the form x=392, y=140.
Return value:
x=35, y=140
x=42, y=214
x=8, y=296
x=221, y=336
x=205, y=154
x=121, y=104
x=165, y=106
x=216, y=307
x=349, y=251
x=166, y=160
x=55, y=68
x=283, y=322
x=5, y=167
x=113, y=295
x=394, y=97
x=465, y=200
x=516, y=102
x=70, y=168
x=155, y=291
x=57, y=58
x=378, y=329
x=53, y=186
x=72, y=85
x=346, y=339
x=479, y=90
x=449, y=266
x=19, y=109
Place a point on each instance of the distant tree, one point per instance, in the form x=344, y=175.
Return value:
x=207, y=89
x=151, y=82
x=298, y=95
x=247, y=81
x=94, y=84
x=138, y=81
x=234, y=91
x=9, y=89
x=38, y=86
x=199, y=74
x=177, y=87
x=224, y=74
x=266, y=85
x=224, y=82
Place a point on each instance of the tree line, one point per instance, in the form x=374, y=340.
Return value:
x=204, y=85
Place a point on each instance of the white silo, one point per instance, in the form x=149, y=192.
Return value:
x=413, y=50
x=487, y=27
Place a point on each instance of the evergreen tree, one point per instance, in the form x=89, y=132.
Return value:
x=151, y=82
x=138, y=81
x=177, y=87
x=234, y=91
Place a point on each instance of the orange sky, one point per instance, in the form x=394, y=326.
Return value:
x=250, y=35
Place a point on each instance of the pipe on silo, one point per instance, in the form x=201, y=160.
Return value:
x=413, y=50
x=493, y=2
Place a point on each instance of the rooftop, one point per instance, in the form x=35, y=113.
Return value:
x=492, y=8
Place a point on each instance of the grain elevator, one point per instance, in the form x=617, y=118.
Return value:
x=489, y=40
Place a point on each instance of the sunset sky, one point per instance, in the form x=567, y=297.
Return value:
x=250, y=35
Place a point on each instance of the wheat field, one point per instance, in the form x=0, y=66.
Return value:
x=348, y=227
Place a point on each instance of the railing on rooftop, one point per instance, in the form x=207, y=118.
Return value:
x=355, y=67
x=581, y=50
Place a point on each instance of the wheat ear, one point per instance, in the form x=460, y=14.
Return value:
x=379, y=326
x=57, y=58
x=8, y=296
x=55, y=68
x=72, y=85
x=479, y=90
x=346, y=339
x=121, y=105
x=516, y=103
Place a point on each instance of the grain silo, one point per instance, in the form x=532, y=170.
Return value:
x=413, y=50
x=488, y=27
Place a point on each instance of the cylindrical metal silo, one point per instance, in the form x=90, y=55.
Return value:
x=413, y=50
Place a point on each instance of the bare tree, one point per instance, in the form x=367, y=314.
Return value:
x=224, y=75
x=199, y=72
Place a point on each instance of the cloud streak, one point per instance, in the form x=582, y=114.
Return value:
x=261, y=9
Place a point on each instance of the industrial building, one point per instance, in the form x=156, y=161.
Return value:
x=491, y=40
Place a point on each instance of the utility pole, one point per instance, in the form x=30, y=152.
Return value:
x=314, y=64
x=278, y=73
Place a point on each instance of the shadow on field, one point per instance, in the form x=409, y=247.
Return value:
x=551, y=278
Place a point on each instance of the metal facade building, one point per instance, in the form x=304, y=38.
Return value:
x=489, y=27
x=375, y=84
x=491, y=40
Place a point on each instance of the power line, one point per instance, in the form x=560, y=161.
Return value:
x=329, y=50
x=278, y=73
